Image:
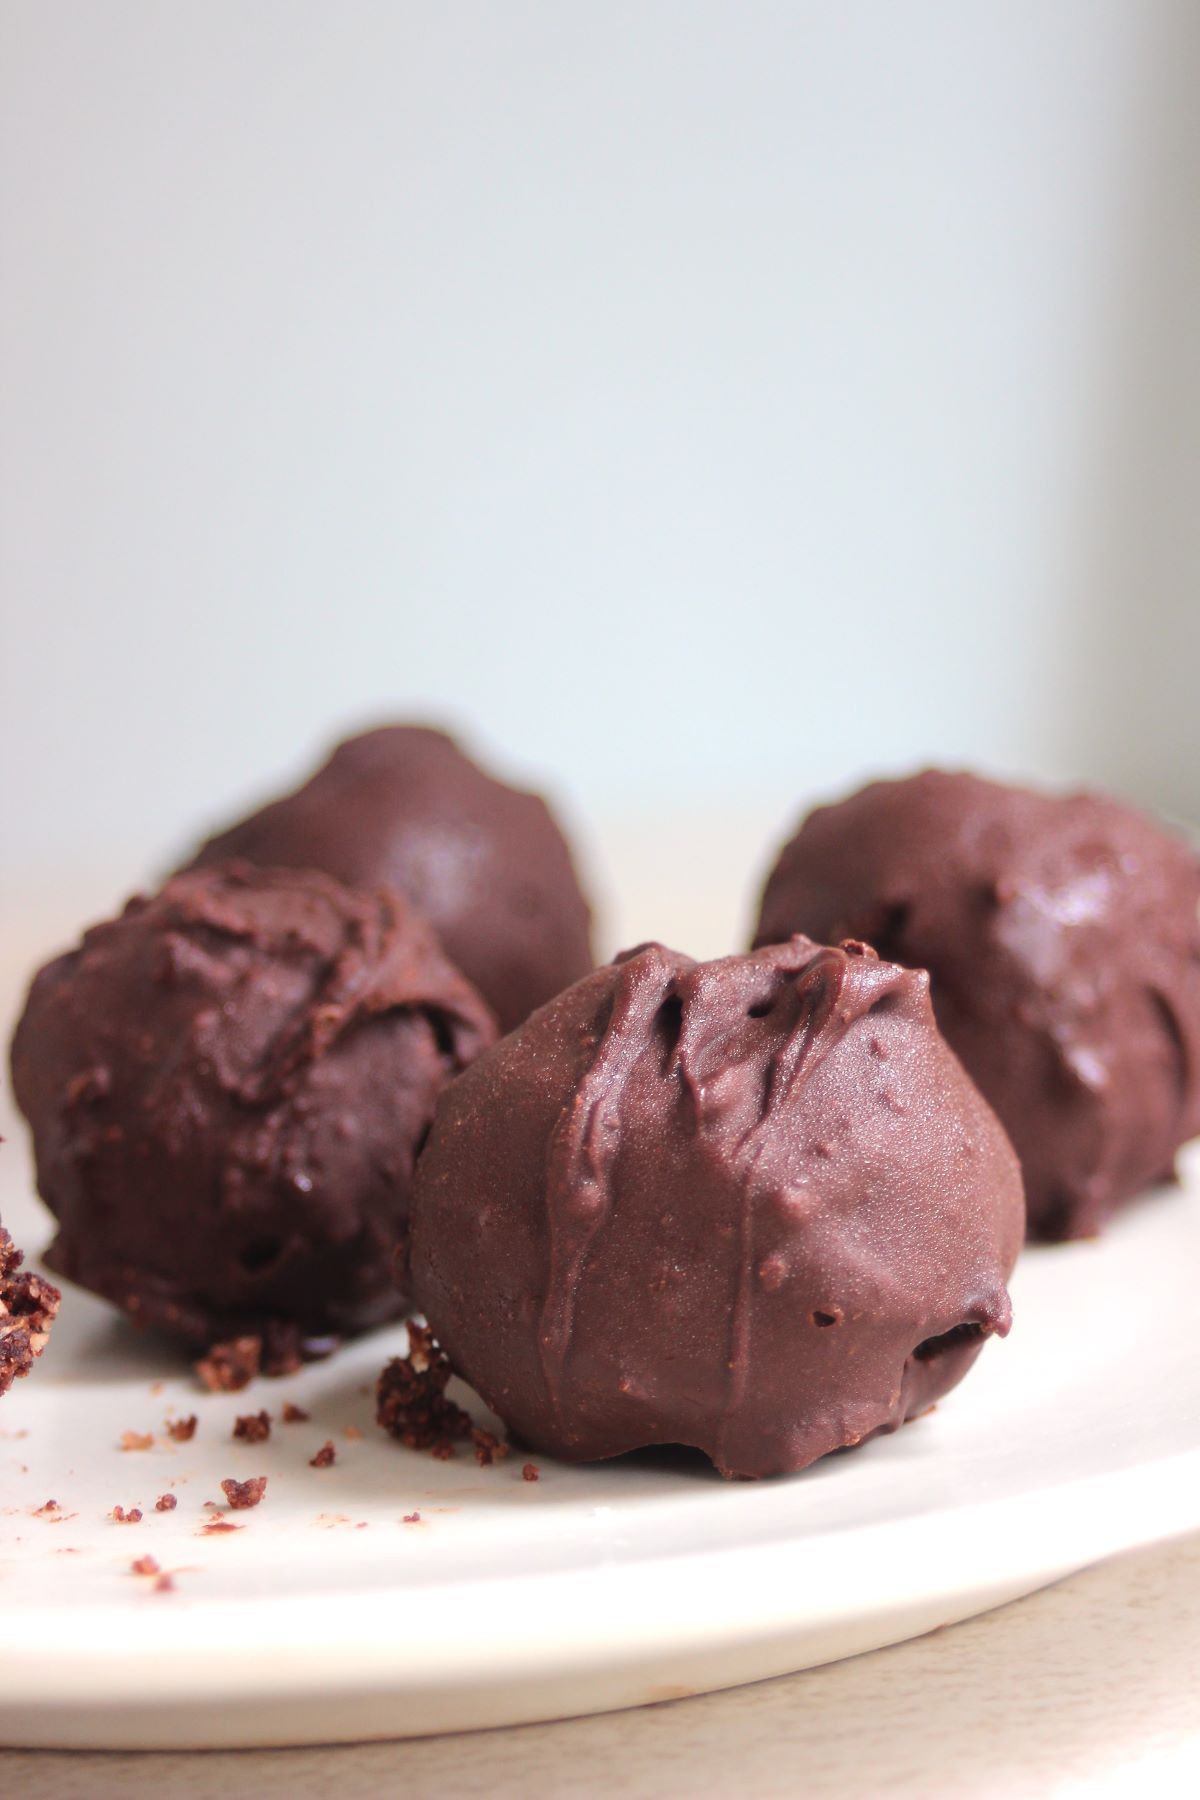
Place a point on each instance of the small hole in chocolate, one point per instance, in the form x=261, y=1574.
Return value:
x=826, y=1318
x=260, y=1255
x=954, y=1339
x=893, y=920
x=760, y=1011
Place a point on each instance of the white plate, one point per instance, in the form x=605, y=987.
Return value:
x=328, y=1615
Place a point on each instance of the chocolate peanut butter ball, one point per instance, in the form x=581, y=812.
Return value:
x=28, y=1305
x=485, y=863
x=753, y=1206
x=228, y=1086
x=1061, y=935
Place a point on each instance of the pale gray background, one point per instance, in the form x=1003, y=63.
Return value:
x=704, y=402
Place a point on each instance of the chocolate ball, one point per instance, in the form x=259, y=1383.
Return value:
x=28, y=1305
x=228, y=1086
x=485, y=863
x=753, y=1206
x=1062, y=938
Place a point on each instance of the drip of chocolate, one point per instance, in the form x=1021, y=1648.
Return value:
x=227, y=1087
x=753, y=1206
x=1062, y=940
x=486, y=864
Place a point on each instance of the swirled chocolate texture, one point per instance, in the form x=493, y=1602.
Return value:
x=1061, y=936
x=485, y=863
x=28, y=1304
x=227, y=1088
x=753, y=1206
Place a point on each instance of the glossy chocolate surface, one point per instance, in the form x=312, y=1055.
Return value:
x=752, y=1206
x=1062, y=939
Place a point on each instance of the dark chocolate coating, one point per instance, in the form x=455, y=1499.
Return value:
x=1061, y=935
x=754, y=1206
x=227, y=1087
x=28, y=1305
x=485, y=863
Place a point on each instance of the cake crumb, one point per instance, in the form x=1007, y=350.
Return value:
x=164, y=1585
x=51, y=1506
x=229, y=1367
x=146, y=1565
x=353, y=1433
x=137, y=1440
x=166, y=1503
x=121, y=1517
x=530, y=1472
x=28, y=1306
x=488, y=1447
x=412, y=1518
x=253, y=1428
x=242, y=1494
x=216, y=1527
x=292, y=1414
x=182, y=1430
x=411, y=1402
x=326, y=1456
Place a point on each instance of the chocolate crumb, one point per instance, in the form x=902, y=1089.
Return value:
x=326, y=1456
x=530, y=1472
x=137, y=1440
x=121, y=1517
x=412, y=1518
x=279, y=1350
x=241, y=1494
x=51, y=1506
x=253, y=1428
x=293, y=1415
x=182, y=1430
x=146, y=1565
x=166, y=1503
x=230, y=1367
x=28, y=1305
x=411, y=1402
x=488, y=1447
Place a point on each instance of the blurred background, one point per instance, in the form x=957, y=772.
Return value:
x=701, y=404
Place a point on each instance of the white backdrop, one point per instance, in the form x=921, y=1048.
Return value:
x=705, y=403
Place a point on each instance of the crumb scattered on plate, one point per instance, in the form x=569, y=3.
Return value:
x=242, y=1494
x=253, y=1428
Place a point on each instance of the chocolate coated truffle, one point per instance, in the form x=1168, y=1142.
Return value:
x=227, y=1087
x=1062, y=938
x=753, y=1206
x=28, y=1305
x=485, y=863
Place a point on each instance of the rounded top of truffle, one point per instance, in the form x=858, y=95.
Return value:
x=483, y=861
x=1061, y=934
x=638, y=1215
x=227, y=1085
